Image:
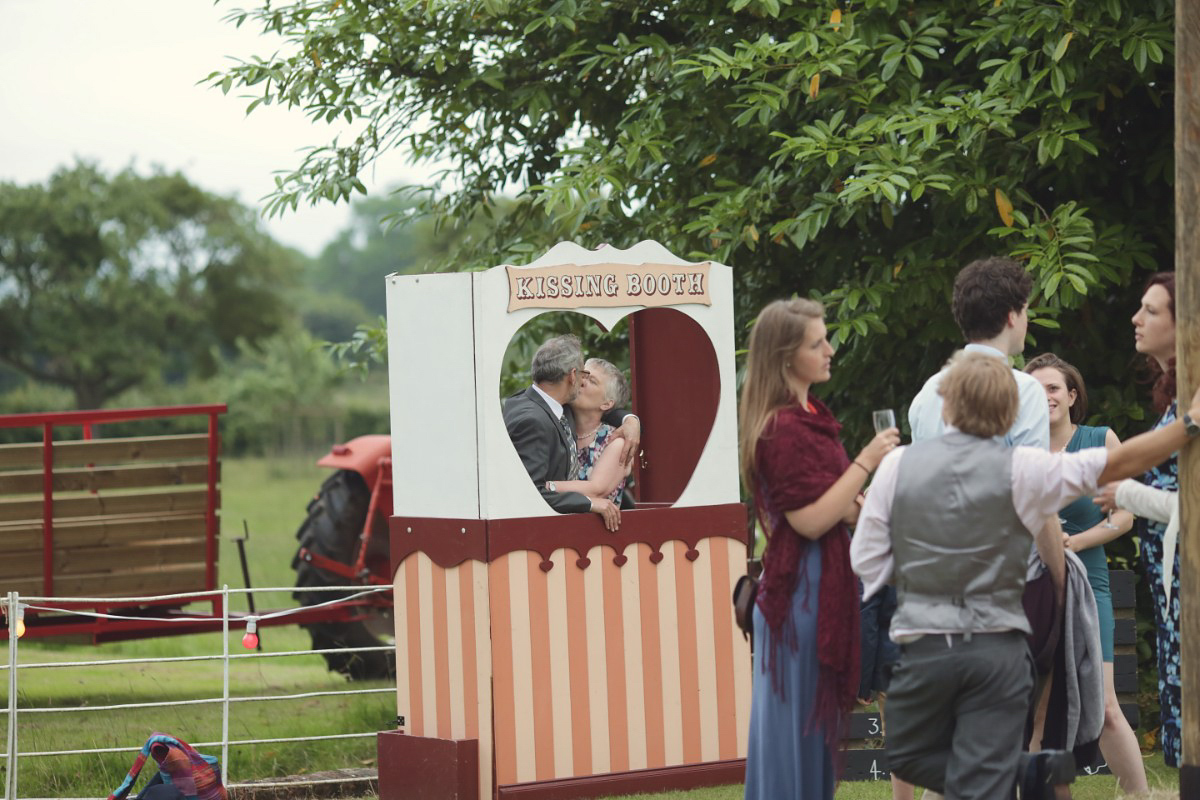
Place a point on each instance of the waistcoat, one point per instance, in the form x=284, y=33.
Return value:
x=960, y=549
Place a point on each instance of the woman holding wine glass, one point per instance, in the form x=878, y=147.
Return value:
x=1085, y=532
x=805, y=492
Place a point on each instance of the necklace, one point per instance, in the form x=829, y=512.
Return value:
x=585, y=436
x=1070, y=436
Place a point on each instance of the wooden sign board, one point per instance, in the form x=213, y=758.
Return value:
x=608, y=285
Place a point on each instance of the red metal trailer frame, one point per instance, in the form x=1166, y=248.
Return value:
x=100, y=629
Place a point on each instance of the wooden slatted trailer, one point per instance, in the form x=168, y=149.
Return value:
x=86, y=515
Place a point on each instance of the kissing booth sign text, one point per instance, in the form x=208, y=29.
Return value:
x=607, y=285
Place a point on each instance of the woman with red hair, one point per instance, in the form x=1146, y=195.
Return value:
x=1154, y=336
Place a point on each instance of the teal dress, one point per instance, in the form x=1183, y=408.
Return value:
x=1080, y=516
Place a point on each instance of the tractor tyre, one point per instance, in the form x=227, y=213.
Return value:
x=333, y=528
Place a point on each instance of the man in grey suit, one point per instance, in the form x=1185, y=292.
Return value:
x=541, y=426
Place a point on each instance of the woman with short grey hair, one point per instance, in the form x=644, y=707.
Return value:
x=601, y=474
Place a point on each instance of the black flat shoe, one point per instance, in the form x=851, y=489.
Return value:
x=1046, y=775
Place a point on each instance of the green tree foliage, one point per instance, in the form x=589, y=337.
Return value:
x=107, y=282
x=859, y=152
x=386, y=235
x=276, y=389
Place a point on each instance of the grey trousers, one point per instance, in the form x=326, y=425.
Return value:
x=956, y=713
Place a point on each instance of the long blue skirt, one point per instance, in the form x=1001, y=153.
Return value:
x=783, y=763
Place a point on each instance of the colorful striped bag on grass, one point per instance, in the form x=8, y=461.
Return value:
x=194, y=775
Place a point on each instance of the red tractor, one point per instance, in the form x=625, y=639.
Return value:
x=344, y=540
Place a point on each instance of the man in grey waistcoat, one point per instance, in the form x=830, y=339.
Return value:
x=990, y=304
x=951, y=520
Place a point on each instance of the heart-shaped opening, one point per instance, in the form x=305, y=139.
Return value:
x=675, y=381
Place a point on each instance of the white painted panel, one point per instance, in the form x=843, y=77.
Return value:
x=505, y=488
x=431, y=373
x=716, y=477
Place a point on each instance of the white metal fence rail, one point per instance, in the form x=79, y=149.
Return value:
x=14, y=606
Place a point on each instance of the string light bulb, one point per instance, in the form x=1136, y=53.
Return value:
x=17, y=623
x=250, y=640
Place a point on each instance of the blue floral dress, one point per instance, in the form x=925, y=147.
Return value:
x=589, y=455
x=1166, y=616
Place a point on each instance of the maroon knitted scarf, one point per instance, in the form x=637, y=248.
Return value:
x=799, y=457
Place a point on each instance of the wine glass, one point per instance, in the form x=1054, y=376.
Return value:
x=1108, y=523
x=883, y=419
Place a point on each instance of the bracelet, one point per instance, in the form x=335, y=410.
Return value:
x=864, y=469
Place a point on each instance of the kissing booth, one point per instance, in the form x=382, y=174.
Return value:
x=537, y=654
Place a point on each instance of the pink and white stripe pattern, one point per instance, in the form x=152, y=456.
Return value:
x=610, y=662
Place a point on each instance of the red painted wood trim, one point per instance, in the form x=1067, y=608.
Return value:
x=48, y=509
x=448, y=542
x=634, y=384
x=210, y=504
x=108, y=415
x=581, y=532
x=425, y=768
x=676, y=392
x=683, y=777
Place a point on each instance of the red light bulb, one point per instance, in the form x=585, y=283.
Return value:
x=250, y=640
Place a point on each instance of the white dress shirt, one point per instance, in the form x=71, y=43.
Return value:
x=556, y=407
x=1032, y=426
x=1042, y=483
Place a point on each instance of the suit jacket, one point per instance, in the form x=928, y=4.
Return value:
x=544, y=449
x=543, y=446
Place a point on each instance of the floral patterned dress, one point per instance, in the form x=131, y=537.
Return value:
x=1166, y=615
x=590, y=454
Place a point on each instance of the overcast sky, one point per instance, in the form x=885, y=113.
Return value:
x=115, y=81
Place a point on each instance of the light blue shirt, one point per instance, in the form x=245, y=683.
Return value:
x=1031, y=428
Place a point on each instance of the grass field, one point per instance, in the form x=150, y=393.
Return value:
x=1096, y=787
x=270, y=497
x=1164, y=783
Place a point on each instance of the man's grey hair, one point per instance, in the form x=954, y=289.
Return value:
x=555, y=359
x=616, y=388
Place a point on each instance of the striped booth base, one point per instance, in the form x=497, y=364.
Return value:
x=582, y=662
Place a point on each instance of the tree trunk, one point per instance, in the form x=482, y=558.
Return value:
x=1187, y=307
x=88, y=396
